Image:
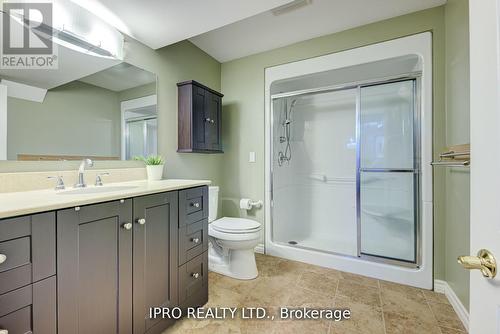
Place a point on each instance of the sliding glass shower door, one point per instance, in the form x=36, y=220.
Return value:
x=345, y=171
x=388, y=170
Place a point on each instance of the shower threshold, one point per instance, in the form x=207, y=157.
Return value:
x=323, y=245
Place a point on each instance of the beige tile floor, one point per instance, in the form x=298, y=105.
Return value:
x=376, y=306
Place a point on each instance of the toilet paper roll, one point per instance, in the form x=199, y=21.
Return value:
x=245, y=204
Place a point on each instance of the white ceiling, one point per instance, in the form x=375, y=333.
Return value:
x=158, y=23
x=266, y=31
x=120, y=77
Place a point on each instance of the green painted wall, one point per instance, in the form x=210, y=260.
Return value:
x=179, y=62
x=457, y=204
x=74, y=119
x=243, y=112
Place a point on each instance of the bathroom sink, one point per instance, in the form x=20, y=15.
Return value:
x=96, y=190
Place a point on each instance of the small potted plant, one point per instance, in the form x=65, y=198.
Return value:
x=154, y=166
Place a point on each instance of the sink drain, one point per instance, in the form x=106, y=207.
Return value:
x=292, y=242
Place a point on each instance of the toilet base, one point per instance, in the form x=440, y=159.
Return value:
x=238, y=263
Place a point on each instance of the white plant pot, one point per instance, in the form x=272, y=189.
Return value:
x=155, y=173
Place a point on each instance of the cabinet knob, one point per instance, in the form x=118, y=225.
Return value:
x=196, y=204
x=208, y=120
x=3, y=258
x=141, y=221
x=195, y=276
x=195, y=240
x=127, y=226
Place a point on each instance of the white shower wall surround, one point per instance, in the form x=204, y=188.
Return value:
x=311, y=199
x=320, y=178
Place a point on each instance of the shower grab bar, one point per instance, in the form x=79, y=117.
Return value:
x=451, y=163
x=452, y=154
x=389, y=170
x=326, y=179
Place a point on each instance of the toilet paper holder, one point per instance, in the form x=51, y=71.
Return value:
x=248, y=204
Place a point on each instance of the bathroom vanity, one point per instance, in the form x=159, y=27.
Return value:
x=92, y=261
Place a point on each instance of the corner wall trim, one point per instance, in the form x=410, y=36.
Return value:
x=443, y=287
x=259, y=249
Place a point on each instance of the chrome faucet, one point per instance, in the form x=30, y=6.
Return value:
x=81, y=181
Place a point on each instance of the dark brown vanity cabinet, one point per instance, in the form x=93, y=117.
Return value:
x=200, y=118
x=99, y=268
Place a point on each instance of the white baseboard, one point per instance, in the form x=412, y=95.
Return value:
x=443, y=287
x=259, y=249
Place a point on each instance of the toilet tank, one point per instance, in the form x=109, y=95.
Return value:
x=213, y=203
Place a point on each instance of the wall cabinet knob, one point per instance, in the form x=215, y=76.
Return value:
x=127, y=226
x=196, y=204
x=141, y=221
x=195, y=276
x=3, y=258
x=195, y=240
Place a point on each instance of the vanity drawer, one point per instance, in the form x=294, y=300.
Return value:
x=31, y=309
x=193, y=240
x=18, y=322
x=15, y=253
x=13, y=228
x=193, y=281
x=193, y=205
x=30, y=255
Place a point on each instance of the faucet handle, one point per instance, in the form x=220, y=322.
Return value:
x=59, y=182
x=98, y=179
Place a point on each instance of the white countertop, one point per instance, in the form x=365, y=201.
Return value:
x=29, y=202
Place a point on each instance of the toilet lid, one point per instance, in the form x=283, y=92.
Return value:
x=235, y=225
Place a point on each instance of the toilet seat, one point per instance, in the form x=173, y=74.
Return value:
x=234, y=229
x=235, y=225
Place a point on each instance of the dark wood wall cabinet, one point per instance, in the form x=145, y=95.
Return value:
x=114, y=261
x=200, y=118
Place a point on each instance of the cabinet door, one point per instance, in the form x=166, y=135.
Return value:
x=94, y=269
x=214, y=111
x=155, y=257
x=199, y=118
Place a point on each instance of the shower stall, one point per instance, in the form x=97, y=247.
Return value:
x=346, y=163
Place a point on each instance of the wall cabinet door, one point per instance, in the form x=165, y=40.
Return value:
x=213, y=129
x=200, y=124
x=94, y=274
x=155, y=258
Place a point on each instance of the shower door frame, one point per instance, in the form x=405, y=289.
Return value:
x=412, y=76
x=419, y=45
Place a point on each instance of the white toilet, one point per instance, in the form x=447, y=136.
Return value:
x=232, y=242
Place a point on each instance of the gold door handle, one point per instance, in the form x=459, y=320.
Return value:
x=484, y=261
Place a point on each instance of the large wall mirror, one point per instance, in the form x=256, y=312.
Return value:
x=108, y=115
